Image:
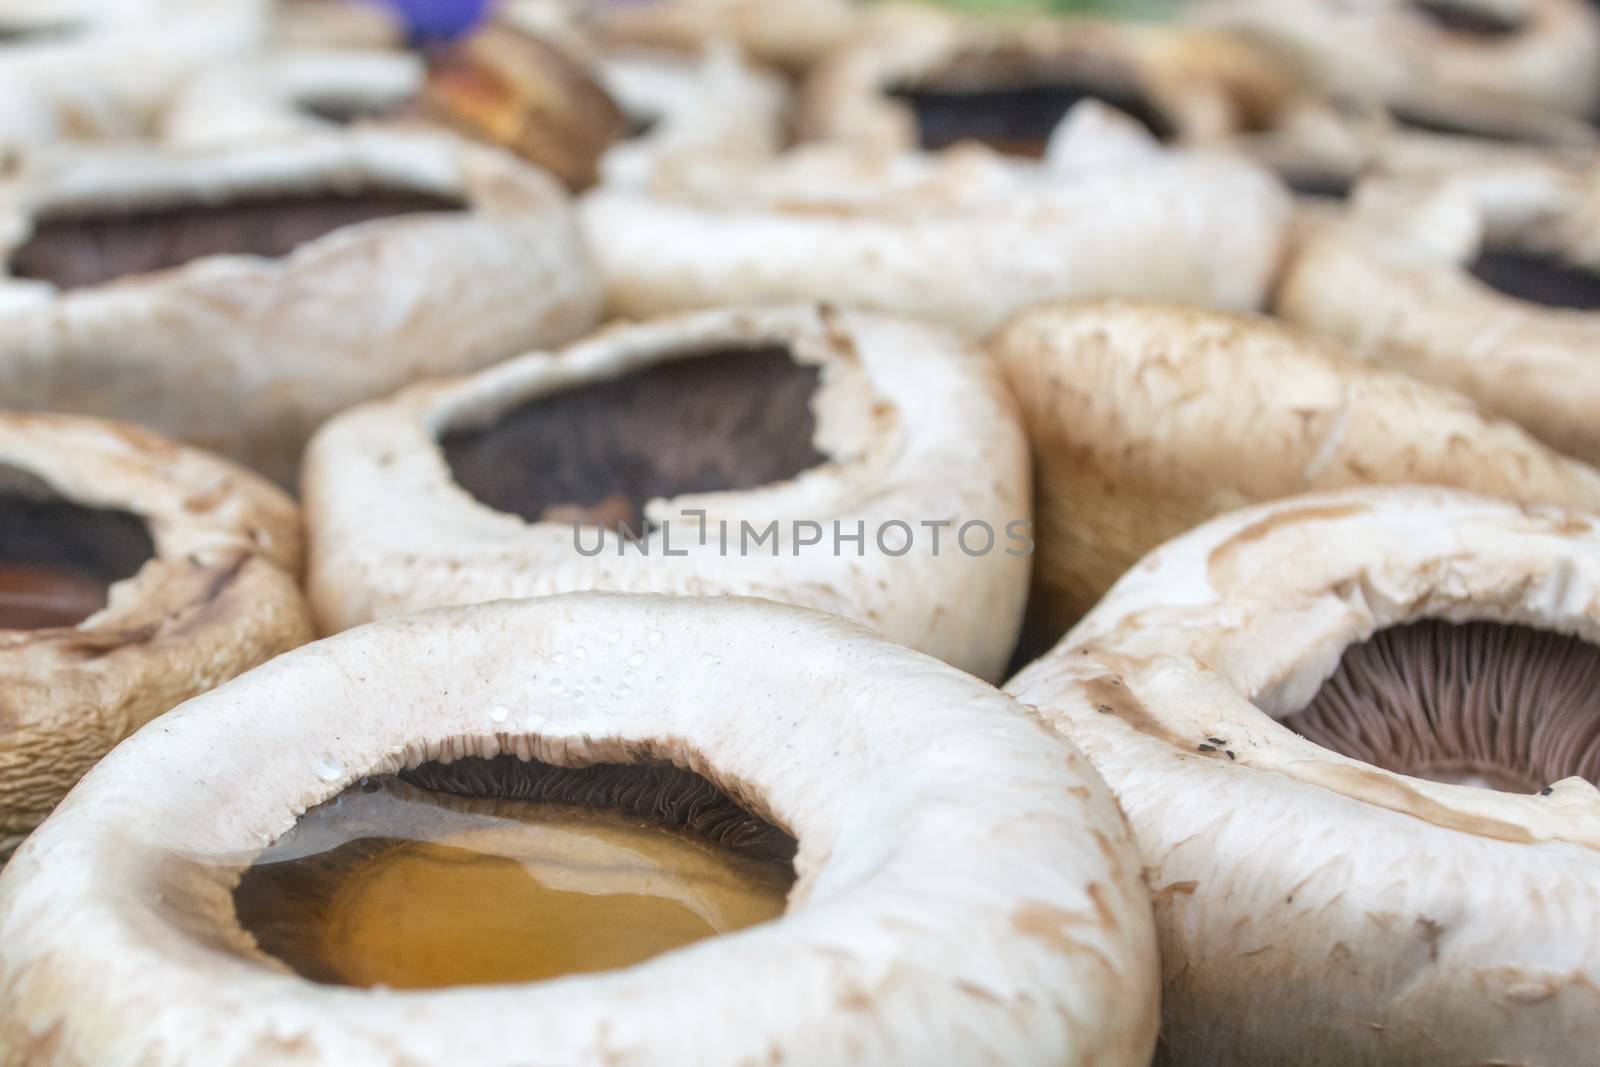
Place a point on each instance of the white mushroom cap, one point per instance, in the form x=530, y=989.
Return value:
x=1392, y=282
x=246, y=355
x=710, y=110
x=137, y=66
x=1206, y=84
x=963, y=236
x=219, y=596
x=1312, y=908
x=917, y=426
x=1146, y=420
x=280, y=93
x=967, y=891
x=1394, y=51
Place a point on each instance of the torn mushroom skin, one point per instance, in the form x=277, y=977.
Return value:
x=1262, y=412
x=133, y=575
x=1396, y=686
x=1486, y=282
x=927, y=79
x=236, y=296
x=723, y=441
x=964, y=236
x=1032, y=946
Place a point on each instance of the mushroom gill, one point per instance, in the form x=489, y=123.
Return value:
x=90, y=248
x=1478, y=20
x=504, y=870
x=1509, y=707
x=1541, y=279
x=1013, y=103
x=728, y=419
x=58, y=560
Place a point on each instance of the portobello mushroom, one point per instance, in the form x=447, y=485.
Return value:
x=133, y=574
x=964, y=888
x=1486, y=282
x=865, y=465
x=1147, y=419
x=234, y=297
x=964, y=236
x=931, y=79
x=1357, y=737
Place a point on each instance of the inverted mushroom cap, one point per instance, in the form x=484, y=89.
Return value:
x=966, y=889
x=1432, y=54
x=964, y=236
x=246, y=355
x=1314, y=908
x=912, y=427
x=218, y=596
x=1145, y=420
x=1186, y=84
x=1410, y=279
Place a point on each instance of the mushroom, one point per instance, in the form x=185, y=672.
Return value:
x=865, y=465
x=138, y=60
x=690, y=113
x=1356, y=736
x=1485, y=282
x=1146, y=420
x=260, y=288
x=1438, y=61
x=133, y=575
x=930, y=79
x=963, y=888
x=789, y=34
x=964, y=236
x=336, y=24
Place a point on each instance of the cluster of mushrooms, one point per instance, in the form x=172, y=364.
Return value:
x=513, y=515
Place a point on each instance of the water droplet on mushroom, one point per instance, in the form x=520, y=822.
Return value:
x=534, y=721
x=636, y=659
x=329, y=769
x=596, y=684
x=708, y=660
x=654, y=637
x=499, y=713
x=613, y=638
x=555, y=685
x=580, y=653
x=559, y=657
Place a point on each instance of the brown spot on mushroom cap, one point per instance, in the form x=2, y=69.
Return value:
x=1507, y=706
x=1222, y=556
x=725, y=420
x=91, y=248
x=58, y=560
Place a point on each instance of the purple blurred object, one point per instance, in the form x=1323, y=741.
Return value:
x=438, y=20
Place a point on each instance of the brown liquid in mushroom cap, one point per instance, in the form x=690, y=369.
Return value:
x=595, y=454
x=500, y=870
x=83, y=249
x=1539, y=279
x=1506, y=706
x=58, y=560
